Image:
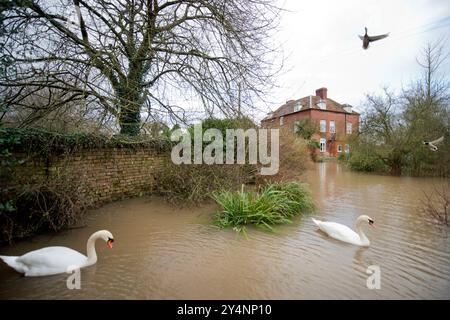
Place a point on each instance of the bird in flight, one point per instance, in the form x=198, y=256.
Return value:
x=432, y=144
x=366, y=39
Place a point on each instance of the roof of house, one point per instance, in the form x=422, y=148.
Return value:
x=288, y=107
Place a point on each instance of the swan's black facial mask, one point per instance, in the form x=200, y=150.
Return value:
x=371, y=222
x=109, y=243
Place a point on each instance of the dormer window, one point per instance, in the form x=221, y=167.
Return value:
x=297, y=107
x=322, y=105
x=347, y=108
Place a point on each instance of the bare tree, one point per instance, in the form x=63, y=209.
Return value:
x=437, y=203
x=139, y=55
x=429, y=96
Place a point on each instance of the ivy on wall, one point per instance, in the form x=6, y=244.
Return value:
x=44, y=143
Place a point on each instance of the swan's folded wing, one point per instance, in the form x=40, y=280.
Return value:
x=51, y=260
x=340, y=232
x=375, y=38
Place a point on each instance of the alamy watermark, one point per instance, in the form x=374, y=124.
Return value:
x=74, y=280
x=239, y=144
x=374, y=280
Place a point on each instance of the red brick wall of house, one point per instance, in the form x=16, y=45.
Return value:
x=339, y=118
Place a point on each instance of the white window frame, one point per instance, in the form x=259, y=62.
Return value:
x=281, y=120
x=339, y=149
x=349, y=128
x=332, y=127
x=325, y=126
x=347, y=148
x=323, y=142
x=297, y=107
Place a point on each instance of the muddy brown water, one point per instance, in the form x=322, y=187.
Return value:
x=161, y=252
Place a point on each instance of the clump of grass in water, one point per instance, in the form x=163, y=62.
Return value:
x=275, y=204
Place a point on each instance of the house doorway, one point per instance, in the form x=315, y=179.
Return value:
x=323, y=145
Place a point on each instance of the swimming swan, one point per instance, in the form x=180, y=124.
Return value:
x=344, y=233
x=53, y=260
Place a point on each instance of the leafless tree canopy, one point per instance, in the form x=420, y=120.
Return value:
x=122, y=58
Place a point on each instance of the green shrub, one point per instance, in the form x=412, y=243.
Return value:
x=365, y=162
x=275, y=204
x=193, y=183
x=222, y=125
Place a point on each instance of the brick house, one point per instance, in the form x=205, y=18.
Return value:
x=334, y=121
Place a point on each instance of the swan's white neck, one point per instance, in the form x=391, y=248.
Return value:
x=362, y=235
x=91, y=253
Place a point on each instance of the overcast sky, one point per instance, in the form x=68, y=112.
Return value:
x=320, y=43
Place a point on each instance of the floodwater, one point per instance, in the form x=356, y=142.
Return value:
x=161, y=252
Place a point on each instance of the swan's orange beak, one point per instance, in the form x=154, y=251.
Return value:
x=109, y=243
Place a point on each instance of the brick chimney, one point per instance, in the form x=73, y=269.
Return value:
x=322, y=93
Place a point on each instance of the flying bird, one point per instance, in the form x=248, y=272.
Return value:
x=366, y=39
x=432, y=144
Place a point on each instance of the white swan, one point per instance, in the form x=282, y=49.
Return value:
x=344, y=233
x=53, y=260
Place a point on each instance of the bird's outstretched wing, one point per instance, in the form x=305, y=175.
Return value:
x=438, y=140
x=375, y=38
x=361, y=37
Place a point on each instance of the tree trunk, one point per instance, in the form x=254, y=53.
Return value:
x=130, y=112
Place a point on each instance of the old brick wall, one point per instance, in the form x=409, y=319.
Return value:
x=107, y=174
